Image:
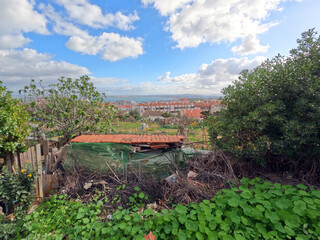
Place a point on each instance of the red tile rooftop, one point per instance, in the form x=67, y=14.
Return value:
x=128, y=139
x=192, y=113
x=123, y=106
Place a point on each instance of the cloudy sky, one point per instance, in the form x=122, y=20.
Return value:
x=137, y=47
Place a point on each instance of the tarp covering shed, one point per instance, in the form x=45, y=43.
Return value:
x=129, y=139
x=124, y=152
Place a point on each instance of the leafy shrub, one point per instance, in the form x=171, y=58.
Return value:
x=70, y=107
x=14, y=123
x=15, y=193
x=15, y=188
x=63, y=217
x=254, y=210
x=273, y=111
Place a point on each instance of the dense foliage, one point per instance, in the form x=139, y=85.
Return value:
x=69, y=107
x=14, y=126
x=254, y=210
x=15, y=193
x=273, y=111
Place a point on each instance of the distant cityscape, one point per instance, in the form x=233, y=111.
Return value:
x=155, y=98
x=192, y=108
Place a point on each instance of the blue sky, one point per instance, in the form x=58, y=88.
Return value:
x=145, y=47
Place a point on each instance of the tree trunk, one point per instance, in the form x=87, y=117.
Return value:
x=8, y=160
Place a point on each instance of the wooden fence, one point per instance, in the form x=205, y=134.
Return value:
x=41, y=157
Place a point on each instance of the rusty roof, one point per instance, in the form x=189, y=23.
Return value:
x=128, y=139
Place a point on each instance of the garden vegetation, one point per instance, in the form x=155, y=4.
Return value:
x=272, y=118
x=273, y=111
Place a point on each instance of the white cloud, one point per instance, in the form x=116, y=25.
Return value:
x=13, y=41
x=17, y=17
x=166, y=7
x=250, y=45
x=60, y=25
x=211, y=77
x=208, y=80
x=19, y=67
x=104, y=83
x=111, y=46
x=91, y=15
x=194, y=22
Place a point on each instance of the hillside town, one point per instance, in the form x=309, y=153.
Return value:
x=183, y=106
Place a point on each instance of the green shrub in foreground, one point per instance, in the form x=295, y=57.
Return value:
x=254, y=210
x=274, y=109
x=15, y=194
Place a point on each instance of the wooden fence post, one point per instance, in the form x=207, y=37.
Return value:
x=8, y=160
x=45, y=147
x=33, y=159
x=39, y=171
x=38, y=158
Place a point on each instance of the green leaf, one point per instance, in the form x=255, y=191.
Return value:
x=316, y=193
x=301, y=186
x=167, y=217
x=312, y=213
x=289, y=231
x=80, y=215
x=272, y=216
x=199, y=236
x=181, y=209
x=244, y=220
x=233, y=202
x=299, y=207
x=85, y=220
x=261, y=229
x=191, y=225
x=239, y=237
x=105, y=230
x=148, y=212
x=246, y=194
x=182, y=218
x=123, y=225
x=302, y=237
x=292, y=221
x=182, y=235
x=283, y=203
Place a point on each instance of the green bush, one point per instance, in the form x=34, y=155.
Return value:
x=15, y=188
x=14, y=123
x=254, y=210
x=273, y=111
x=15, y=192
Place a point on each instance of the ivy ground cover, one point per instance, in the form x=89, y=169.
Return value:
x=254, y=210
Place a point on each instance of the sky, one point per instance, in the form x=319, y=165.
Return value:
x=147, y=47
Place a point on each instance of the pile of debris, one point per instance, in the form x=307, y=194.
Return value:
x=203, y=176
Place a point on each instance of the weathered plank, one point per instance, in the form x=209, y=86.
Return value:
x=39, y=163
x=38, y=158
x=45, y=147
x=33, y=158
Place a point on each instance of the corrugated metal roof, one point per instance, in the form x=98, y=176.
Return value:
x=128, y=139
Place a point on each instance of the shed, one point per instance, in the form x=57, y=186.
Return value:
x=125, y=152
